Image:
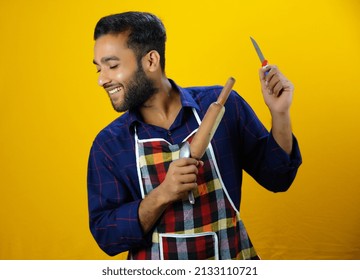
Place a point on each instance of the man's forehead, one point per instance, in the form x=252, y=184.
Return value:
x=111, y=47
x=119, y=40
x=111, y=44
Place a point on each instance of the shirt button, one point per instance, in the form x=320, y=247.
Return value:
x=169, y=133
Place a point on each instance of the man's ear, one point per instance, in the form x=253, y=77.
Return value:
x=151, y=61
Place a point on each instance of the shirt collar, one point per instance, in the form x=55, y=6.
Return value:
x=186, y=100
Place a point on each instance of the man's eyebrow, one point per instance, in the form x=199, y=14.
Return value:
x=107, y=59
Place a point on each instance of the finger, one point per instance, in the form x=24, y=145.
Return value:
x=272, y=81
x=189, y=187
x=278, y=88
x=189, y=169
x=200, y=163
x=263, y=71
x=287, y=85
x=269, y=83
x=188, y=178
x=185, y=162
x=271, y=74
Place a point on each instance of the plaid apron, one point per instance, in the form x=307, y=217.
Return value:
x=209, y=229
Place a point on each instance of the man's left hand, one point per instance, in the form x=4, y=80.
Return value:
x=277, y=90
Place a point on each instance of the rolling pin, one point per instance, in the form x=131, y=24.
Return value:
x=210, y=122
x=207, y=128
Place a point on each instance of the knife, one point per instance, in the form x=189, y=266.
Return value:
x=263, y=61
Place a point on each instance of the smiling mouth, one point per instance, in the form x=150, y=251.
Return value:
x=114, y=90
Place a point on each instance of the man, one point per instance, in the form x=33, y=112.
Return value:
x=137, y=184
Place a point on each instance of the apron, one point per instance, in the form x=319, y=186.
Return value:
x=209, y=229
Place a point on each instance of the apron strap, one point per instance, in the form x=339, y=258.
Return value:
x=138, y=163
x=211, y=150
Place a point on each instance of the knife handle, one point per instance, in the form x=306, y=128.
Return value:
x=264, y=64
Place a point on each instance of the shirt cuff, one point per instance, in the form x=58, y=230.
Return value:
x=279, y=160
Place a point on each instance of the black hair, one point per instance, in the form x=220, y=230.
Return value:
x=146, y=32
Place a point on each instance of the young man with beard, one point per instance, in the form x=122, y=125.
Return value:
x=137, y=184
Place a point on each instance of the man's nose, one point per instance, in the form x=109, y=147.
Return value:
x=103, y=78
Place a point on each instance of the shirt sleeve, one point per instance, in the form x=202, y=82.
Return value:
x=113, y=212
x=263, y=158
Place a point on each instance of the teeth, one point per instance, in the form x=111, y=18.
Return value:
x=115, y=90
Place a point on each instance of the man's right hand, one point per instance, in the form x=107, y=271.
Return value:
x=180, y=178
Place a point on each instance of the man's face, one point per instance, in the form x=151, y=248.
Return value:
x=120, y=75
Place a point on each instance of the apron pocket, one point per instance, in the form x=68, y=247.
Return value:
x=197, y=246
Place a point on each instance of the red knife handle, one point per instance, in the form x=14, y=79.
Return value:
x=263, y=64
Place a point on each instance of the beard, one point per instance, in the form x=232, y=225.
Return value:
x=139, y=89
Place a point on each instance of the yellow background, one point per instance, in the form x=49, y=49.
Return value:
x=52, y=108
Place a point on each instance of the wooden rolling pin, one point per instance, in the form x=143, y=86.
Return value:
x=210, y=122
x=207, y=128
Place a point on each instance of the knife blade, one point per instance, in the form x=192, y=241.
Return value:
x=263, y=61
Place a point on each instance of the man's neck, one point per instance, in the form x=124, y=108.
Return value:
x=163, y=107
